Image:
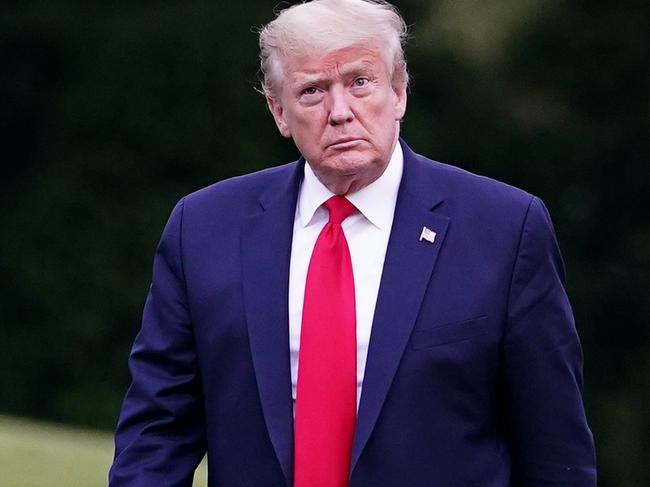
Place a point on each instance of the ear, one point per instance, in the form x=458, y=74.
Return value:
x=278, y=115
x=400, y=100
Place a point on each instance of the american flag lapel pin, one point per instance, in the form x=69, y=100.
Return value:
x=428, y=235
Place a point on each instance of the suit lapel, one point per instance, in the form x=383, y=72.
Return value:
x=266, y=248
x=407, y=269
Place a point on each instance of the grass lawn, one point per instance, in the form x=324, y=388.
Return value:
x=34, y=454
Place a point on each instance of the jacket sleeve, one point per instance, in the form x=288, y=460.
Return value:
x=551, y=442
x=160, y=436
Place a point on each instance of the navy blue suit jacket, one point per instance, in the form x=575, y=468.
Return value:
x=473, y=375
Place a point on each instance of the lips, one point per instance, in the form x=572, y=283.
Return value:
x=345, y=142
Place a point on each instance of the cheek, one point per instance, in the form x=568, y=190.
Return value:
x=382, y=119
x=308, y=125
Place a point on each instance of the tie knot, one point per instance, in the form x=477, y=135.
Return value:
x=339, y=208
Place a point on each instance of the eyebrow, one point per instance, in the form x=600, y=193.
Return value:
x=302, y=80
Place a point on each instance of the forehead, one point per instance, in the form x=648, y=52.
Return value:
x=349, y=60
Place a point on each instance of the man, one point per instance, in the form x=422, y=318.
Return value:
x=363, y=316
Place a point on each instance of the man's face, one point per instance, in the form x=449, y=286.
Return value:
x=343, y=114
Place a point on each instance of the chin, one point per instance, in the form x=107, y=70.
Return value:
x=352, y=162
x=350, y=173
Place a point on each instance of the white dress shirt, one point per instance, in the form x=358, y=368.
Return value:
x=367, y=233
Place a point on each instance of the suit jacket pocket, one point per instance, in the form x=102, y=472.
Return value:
x=448, y=333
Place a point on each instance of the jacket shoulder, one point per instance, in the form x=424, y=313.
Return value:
x=245, y=187
x=223, y=204
x=469, y=192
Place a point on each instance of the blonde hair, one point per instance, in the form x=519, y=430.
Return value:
x=324, y=26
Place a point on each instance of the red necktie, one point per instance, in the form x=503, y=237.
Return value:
x=327, y=386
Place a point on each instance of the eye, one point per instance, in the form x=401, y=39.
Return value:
x=360, y=82
x=312, y=90
x=310, y=95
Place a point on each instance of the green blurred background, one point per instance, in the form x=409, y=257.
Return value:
x=111, y=111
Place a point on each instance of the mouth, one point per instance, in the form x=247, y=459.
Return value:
x=345, y=143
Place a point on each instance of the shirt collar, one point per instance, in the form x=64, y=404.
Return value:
x=376, y=201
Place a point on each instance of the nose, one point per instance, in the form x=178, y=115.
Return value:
x=340, y=111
